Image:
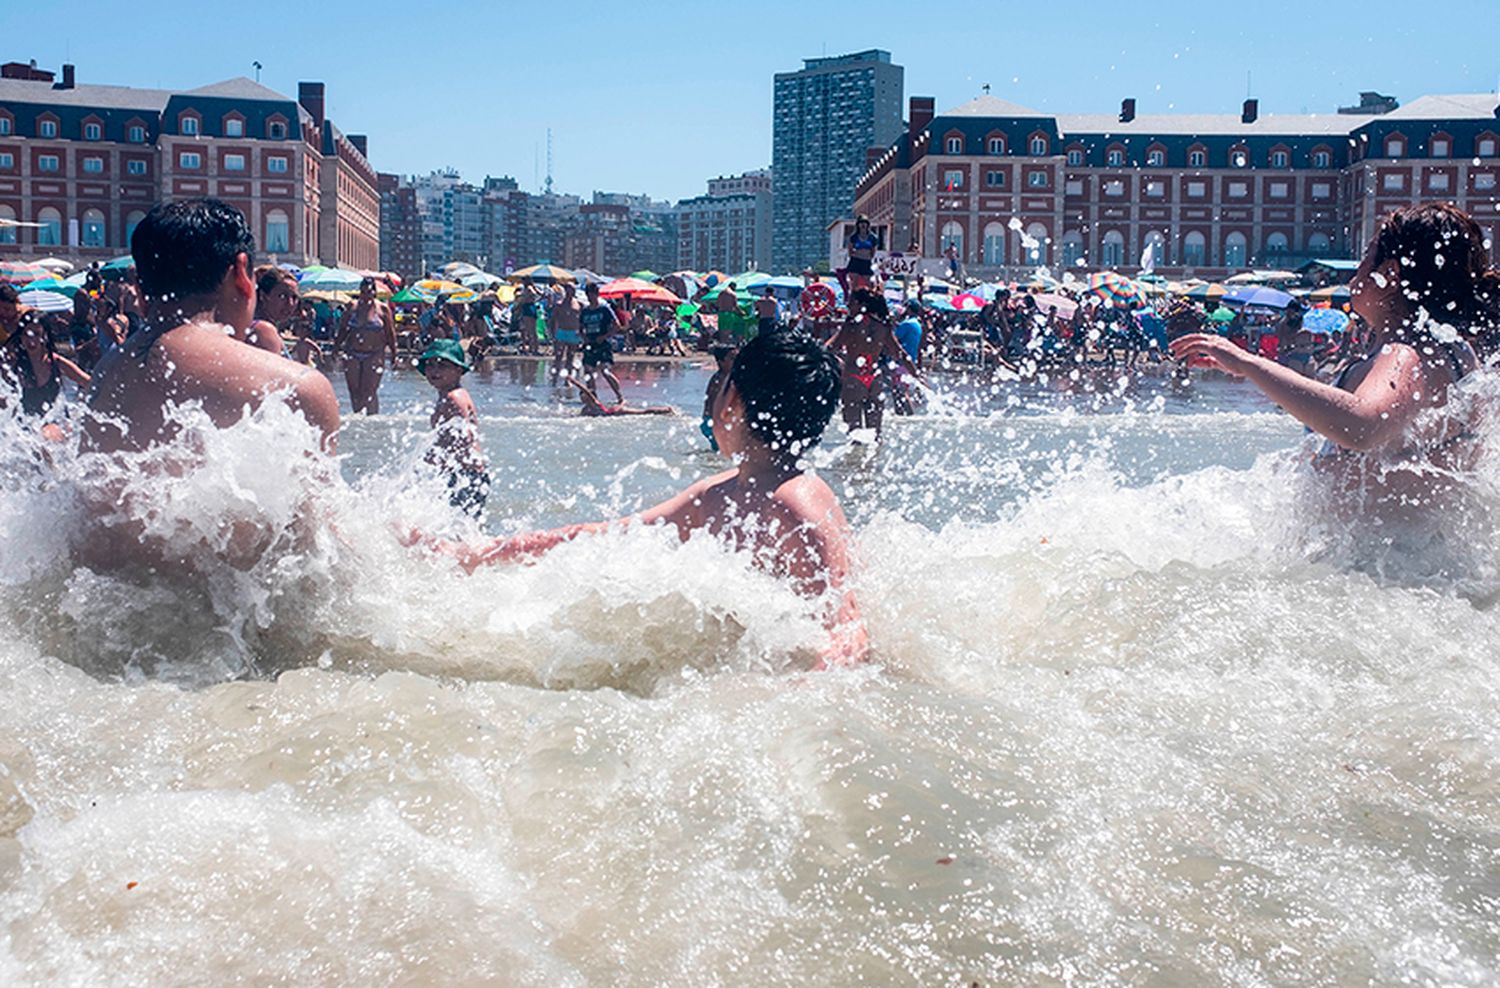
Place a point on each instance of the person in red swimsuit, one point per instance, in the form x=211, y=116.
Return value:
x=866, y=342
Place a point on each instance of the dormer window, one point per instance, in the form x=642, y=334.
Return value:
x=1395, y=147
x=1197, y=158
x=1156, y=157
x=92, y=132
x=46, y=128
x=1239, y=158
x=1038, y=146
x=1322, y=159
x=954, y=145
x=1115, y=157
x=5, y=126
x=234, y=127
x=1075, y=157
x=1280, y=159
x=189, y=126
x=1441, y=147
x=997, y=145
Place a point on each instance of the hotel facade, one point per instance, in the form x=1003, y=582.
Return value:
x=86, y=162
x=1198, y=195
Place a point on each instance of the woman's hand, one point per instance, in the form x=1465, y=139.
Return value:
x=1205, y=350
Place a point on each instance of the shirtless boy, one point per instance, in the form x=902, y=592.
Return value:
x=774, y=405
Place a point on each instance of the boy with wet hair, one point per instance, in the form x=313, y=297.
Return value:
x=772, y=407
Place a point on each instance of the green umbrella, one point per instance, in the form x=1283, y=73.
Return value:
x=740, y=294
x=409, y=296
x=1221, y=314
x=51, y=285
x=647, y=275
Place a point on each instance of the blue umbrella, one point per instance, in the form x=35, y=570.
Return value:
x=1257, y=295
x=1321, y=322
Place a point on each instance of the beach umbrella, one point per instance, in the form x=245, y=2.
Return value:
x=445, y=292
x=713, y=278
x=1334, y=294
x=1257, y=295
x=480, y=280
x=786, y=281
x=330, y=280
x=409, y=296
x=116, y=267
x=638, y=290
x=740, y=294
x=939, y=302
x=314, y=269
x=1321, y=322
x=987, y=290
x=328, y=295
x=289, y=266
x=1221, y=315
x=1116, y=289
x=52, y=284
x=1041, y=282
x=55, y=264
x=47, y=301
x=1065, y=306
x=458, y=270
x=544, y=274
x=646, y=275
x=967, y=302
x=21, y=272
x=1205, y=292
x=749, y=279
x=585, y=277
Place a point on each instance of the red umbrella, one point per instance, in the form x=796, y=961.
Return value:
x=967, y=302
x=640, y=291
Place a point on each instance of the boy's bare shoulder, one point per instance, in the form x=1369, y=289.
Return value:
x=809, y=498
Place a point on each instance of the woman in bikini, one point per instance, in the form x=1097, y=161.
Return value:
x=276, y=300
x=36, y=369
x=862, y=244
x=365, y=333
x=1425, y=290
x=865, y=343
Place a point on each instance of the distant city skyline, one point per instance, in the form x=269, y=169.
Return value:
x=658, y=104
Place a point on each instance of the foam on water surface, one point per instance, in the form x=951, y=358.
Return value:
x=1141, y=713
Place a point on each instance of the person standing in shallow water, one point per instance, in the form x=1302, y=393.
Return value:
x=1425, y=289
x=276, y=301
x=455, y=448
x=866, y=342
x=366, y=331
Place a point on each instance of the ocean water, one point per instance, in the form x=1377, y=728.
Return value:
x=1145, y=709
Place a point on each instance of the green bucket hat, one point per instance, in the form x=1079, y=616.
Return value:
x=448, y=350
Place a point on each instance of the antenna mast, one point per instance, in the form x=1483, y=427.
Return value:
x=549, y=161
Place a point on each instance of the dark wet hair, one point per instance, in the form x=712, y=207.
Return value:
x=185, y=247
x=871, y=302
x=9, y=294
x=1444, y=266
x=789, y=383
x=268, y=276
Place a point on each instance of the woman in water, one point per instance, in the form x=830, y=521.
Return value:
x=865, y=343
x=36, y=369
x=276, y=300
x=365, y=333
x=1425, y=289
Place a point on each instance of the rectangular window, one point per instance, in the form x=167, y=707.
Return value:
x=1115, y=158
x=49, y=128
x=1075, y=187
x=1197, y=189
x=1440, y=148
x=4, y=126
x=1484, y=180
x=276, y=165
x=955, y=145
x=1321, y=190
x=1279, y=159
x=1075, y=157
x=994, y=179
x=189, y=159
x=1438, y=181
x=234, y=128
x=1115, y=188
x=1393, y=182
x=997, y=146
x=94, y=166
x=46, y=163
x=137, y=134
x=1322, y=159
x=1036, y=180
x=234, y=162
x=190, y=126
x=135, y=167
x=953, y=179
x=1280, y=190
x=1197, y=159
x=92, y=132
x=1238, y=190
x=7, y=160
x=278, y=131
x=1156, y=188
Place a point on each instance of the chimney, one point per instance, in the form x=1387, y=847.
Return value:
x=310, y=95
x=361, y=144
x=67, y=79
x=921, y=110
x=1127, y=110
x=1250, y=111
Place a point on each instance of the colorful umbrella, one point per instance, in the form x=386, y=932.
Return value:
x=967, y=302
x=1205, y=293
x=47, y=301
x=544, y=274
x=330, y=280
x=116, y=267
x=52, y=284
x=433, y=290
x=640, y=291
x=459, y=270
x=1271, y=298
x=1336, y=294
x=21, y=272
x=1221, y=314
x=409, y=296
x=1116, y=289
x=646, y=275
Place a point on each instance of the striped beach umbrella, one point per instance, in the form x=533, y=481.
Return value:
x=47, y=301
x=330, y=280
x=1116, y=289
x=433, y=290
x=21, y=272
x=1205, y=293
x=639, y=291
x=544, y=274
x=52, y=284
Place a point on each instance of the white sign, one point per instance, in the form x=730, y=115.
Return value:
x=895, y=264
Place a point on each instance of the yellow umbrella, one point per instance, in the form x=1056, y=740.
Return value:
x=445, y=291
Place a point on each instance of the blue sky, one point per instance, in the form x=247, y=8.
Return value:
x=657, y=97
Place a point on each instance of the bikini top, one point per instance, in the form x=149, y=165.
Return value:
x=867, y=242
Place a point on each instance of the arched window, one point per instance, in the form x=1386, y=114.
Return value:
x=1194, y=247
x=7, y=232
x=1156, y=157
x=1157, y=243
x=1072, y=249
x=1276, y=244
x=1112, y=252
x=1318, y=244
x=951, y=236
x=278, y=232
x=131, y=222
x=1038, y=146
x=994, y=244
x=93, y=228
x=1197, y=158
x=954, y=145
x=1234, y=250
x=50, y=232
x=1036, y=245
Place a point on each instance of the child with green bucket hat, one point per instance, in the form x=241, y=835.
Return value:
x=455, y=449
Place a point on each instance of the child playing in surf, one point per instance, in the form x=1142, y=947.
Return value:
x=724, y=359
x=594, y=408
x=774, y=404
x=455, y=449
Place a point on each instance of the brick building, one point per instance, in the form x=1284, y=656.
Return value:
x=729, y=229
x=88, y=161
x=1013, y=188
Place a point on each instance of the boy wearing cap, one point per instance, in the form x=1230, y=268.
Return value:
x=455, y=449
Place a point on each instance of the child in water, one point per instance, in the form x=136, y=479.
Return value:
x=455, y=449
x=772, y=406
x=723, y=357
